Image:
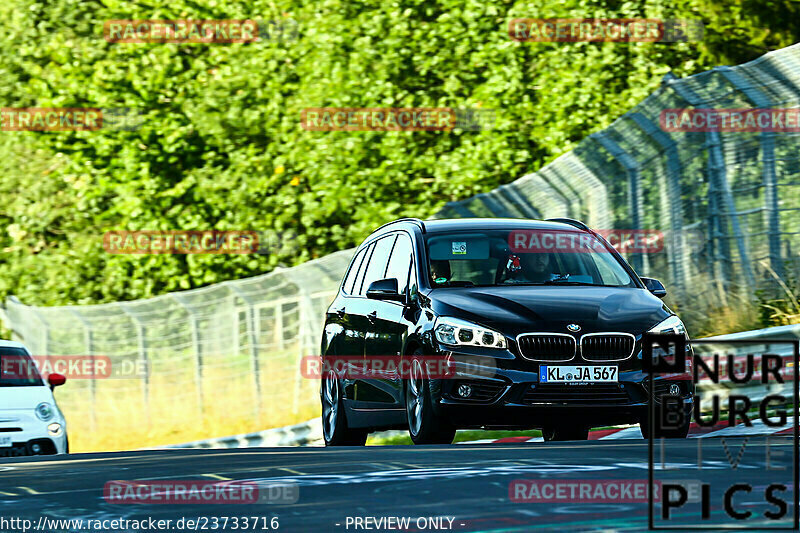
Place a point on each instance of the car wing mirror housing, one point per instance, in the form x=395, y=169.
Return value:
x=385, y=289
x=655, y=287
x=56, y=380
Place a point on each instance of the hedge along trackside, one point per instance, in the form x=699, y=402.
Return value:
x=218, y=144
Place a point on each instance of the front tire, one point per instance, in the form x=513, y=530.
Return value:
x=424, y=426
x=335, y=430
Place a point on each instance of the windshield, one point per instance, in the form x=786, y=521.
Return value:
x=522, y=257
x=17, y=368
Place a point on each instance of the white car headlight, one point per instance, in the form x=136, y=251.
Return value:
x=458, y=332
x=54, y=429
x=44, y=411
x=672, y=324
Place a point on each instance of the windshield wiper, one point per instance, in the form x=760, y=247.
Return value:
x=561, y=281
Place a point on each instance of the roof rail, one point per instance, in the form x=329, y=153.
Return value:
x=571, y=221
x=416, y=221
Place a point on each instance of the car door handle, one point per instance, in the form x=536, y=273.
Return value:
x=372, y=316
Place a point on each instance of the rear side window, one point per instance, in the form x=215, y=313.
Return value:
x=352, y=274
x=400, y=262
x=377, y=263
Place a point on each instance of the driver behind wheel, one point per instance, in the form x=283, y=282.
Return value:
x=530, y=268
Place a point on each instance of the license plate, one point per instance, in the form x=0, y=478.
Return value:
x=5, y=442
x=577, y=374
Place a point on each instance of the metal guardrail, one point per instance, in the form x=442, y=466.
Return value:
x=303, y=434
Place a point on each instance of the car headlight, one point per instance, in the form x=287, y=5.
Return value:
x=44, y=411
x=672, y=324
x=458, y=332
x=54, y=429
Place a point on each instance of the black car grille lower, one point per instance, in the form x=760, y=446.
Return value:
x=481, y=391
x=601, y=393
x=606, y=347
x=546, y=347
x=22, y=449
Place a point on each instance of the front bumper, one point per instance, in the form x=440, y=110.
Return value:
x=42, y=446
x=505, y=396
x=30, y=436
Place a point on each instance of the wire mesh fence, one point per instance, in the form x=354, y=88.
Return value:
x=726, y=203
x=226, y=355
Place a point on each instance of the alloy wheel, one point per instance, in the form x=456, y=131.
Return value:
x=330, y=404
x=414, y=402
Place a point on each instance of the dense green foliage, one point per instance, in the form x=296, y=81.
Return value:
x=221, y=147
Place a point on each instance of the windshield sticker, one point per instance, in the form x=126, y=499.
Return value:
x=459, y=248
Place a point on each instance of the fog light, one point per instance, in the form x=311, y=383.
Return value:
x=464, y=390
x=36, y=448
x=54, y=429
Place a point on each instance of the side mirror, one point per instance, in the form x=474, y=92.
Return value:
x=56, y=380
x=654, y=286
x=385, y=289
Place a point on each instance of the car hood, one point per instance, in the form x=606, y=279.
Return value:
x=16, y=398
x=518, y=309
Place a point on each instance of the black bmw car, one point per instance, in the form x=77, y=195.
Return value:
x=536, y=324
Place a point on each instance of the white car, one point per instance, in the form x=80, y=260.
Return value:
x=30, y=421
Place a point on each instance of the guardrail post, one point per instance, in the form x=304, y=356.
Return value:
x=574, y=201
x=721, y=202
x=675, y=252
x=305, y=310
x=760, y=100
x=142, y=341
x=89, y=344
x=631, y=167
x=513, y=197
x=45, y=332
x=279, y=340
x=198, y=354
x=255, y=367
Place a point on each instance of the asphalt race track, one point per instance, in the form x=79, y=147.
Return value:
x=469, y=483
